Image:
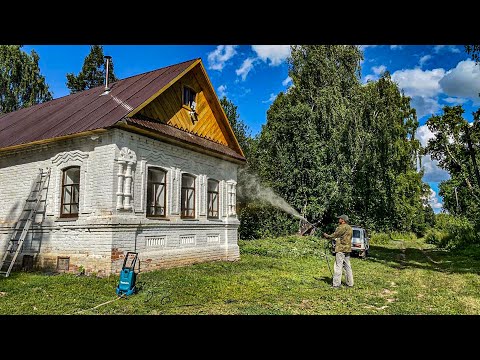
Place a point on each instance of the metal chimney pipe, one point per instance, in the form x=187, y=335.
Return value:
x=106, y=72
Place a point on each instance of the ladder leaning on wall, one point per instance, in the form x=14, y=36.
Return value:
x=25, y=221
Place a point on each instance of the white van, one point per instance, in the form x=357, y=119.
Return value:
x=360, y=242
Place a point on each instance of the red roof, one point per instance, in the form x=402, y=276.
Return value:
x=85, y=110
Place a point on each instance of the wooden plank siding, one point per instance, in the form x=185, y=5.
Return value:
x=168, y=108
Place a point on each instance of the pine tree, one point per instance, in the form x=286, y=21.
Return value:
x=93, y=72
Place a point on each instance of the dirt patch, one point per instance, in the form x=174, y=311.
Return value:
x=388, y=295
x=306, y=304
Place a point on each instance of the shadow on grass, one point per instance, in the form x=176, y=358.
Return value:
x=325, y=279
x=429, y=259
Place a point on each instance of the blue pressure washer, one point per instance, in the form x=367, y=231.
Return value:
x=126, y=286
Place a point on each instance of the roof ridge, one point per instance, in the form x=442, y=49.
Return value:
x=148, y=72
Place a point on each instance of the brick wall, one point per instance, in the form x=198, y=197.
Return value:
x=104, y=232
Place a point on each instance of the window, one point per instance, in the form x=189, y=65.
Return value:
x=70, y=189
x=212, y=199
x=232, y=201
x=189, y=97
x=188, y=196
x=63, y=263
x=156, y=193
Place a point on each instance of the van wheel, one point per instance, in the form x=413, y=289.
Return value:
x=363, y=255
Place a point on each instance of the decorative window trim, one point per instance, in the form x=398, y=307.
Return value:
x=60, y=162
x=165, y=190
x=126, y=163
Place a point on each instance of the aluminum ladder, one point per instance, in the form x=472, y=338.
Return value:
x=25, y=221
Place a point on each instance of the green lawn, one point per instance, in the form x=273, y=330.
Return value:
x=286, y=275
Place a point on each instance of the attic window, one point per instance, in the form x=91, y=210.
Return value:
x=189, y=97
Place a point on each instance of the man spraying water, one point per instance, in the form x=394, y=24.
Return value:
x=343, y=247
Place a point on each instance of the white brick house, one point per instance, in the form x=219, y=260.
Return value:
x=148, y=166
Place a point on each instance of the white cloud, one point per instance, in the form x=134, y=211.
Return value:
x=463, y=81
x=418, y=82
x=222, y=91
x=424, y=59
x=451, y=48
x=432, y=172
x=270, y=99
x=455, y=101
x=245, y=68
x=287, y=81
x=434, y=201
x=275, y=53
x=363, y=47
x=377, y=70
x=424, y=134
x=218, y=58
x=396, y=47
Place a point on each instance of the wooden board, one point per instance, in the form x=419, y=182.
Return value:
x=168, y=109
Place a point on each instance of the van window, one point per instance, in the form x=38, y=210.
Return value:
x=356, y=233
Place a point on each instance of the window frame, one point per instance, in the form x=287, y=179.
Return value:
x=182, y=210
x=164, y=193
x=184, y=88
x=218, y=199
x=62, y=204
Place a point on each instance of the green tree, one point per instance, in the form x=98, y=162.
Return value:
x=93, y=72
x=241, y=130
x=21, y=84
x=455, y=147
x=389, y=187
x=303, y=148
x=473, y=50
x=332, y=145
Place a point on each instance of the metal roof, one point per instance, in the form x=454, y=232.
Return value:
x=86, y=110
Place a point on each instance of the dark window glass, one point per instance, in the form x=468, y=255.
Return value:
x=70, y=192
x=212, y=199
x=188, y=196
x=156, y=193
x=188, y=96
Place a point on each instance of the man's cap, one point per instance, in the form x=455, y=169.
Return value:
x=344, y=217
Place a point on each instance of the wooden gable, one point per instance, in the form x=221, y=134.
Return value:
x=209, y=122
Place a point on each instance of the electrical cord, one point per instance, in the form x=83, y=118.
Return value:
x=97, y=306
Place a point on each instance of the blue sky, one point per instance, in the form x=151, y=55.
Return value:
x=252, y=75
